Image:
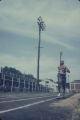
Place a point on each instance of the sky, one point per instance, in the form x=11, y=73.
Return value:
x=19, y=36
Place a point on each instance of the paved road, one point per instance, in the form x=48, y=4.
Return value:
x=24, y=106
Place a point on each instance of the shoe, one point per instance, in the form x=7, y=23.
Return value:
x=58, y=95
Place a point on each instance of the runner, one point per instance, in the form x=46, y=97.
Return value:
x=62, y=69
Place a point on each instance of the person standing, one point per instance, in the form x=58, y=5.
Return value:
x=62, y=70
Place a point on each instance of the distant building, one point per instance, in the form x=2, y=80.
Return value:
x=50, y=84
x=75, y=86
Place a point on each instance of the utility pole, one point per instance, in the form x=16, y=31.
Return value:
x=41, y=26
x=60, y=57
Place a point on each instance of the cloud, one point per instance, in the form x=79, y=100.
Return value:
x=52, y=39
x=21, y=19
x=21, y=63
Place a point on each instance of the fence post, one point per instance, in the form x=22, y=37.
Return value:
x=12, y=85
x=32, y=86
x=24, y=89
x=3, y=77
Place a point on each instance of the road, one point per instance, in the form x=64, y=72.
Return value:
x=29, y=106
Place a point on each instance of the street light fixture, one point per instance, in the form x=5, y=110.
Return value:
x=41, y=26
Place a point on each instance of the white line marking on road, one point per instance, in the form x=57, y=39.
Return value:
x=26, y=106
x=22, y=99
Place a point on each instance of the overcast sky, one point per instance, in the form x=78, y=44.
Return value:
x=19, y=36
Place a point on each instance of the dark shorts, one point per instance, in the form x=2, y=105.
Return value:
x=62, y=81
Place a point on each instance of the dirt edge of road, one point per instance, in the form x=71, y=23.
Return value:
x=67, y=109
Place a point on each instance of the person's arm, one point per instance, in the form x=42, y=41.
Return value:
x=67, y=70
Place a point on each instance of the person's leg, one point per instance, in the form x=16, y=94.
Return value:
x=59, y=85
x=64, y=83
x=58, y=89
